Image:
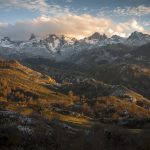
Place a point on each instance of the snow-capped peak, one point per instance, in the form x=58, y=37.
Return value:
x=138, y=38
x=53, y=45
x=6, y=39
x=97, y=36
x=32, y=37
x=138, y=35
x=116, y=39
x=6, y=42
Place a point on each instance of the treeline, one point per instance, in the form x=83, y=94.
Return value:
x=14, y=93
x=99, y=137
x=7, y=64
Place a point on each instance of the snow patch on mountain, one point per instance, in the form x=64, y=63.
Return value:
x=61, y=46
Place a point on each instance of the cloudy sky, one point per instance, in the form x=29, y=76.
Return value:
x=73, y=18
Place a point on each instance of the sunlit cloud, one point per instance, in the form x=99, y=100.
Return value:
x=57, y=19
x=69, y=25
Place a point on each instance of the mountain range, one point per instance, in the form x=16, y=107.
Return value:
x=62, y=47
x=75, y=94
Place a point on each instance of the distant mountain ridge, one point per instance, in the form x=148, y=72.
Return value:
x=60, y=47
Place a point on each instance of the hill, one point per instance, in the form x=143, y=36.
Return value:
x=66, y=115
x=143, y=51
x=133, y=76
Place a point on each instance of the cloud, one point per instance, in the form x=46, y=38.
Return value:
x=125, y=28
x=132, y=11
x=70, y=25
x=45, y=7
x=125, y=12
x=40, y=6
x=3, y=24
x=69, y=1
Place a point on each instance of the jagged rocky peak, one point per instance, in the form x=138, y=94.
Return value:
x=6, y=39
x=74, y=39
x=116, y=37
x=32, y=36
x=51, y=38
x=138, y=35
x=59, y=39
x=138, y=39
x=97, y=36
